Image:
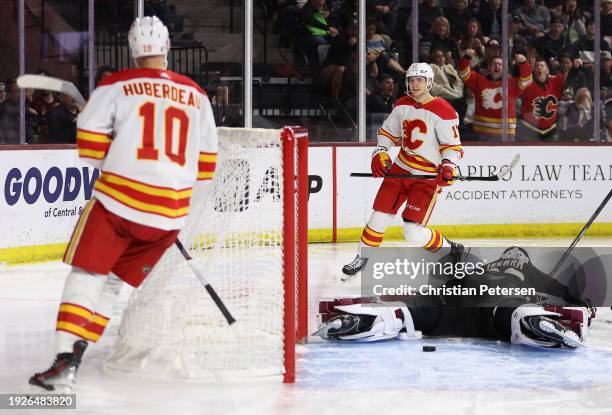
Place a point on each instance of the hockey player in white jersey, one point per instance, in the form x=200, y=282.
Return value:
x=152, y=134
x=427, y=130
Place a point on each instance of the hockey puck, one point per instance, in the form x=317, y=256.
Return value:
x=429, y=348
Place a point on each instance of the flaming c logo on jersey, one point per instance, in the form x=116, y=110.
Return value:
x=545, y=107
x=491, y=98
x=407, y=127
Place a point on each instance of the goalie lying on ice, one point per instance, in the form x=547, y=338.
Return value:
x=509, y=318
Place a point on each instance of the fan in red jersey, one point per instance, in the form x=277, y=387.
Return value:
x=488, y=120
x=152, y=134
x=427, y=131
x=539, y=105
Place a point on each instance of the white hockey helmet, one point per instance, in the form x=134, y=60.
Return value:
x=420, y=69
x=148, y=36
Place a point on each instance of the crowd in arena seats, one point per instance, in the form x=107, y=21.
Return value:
x=551, y=68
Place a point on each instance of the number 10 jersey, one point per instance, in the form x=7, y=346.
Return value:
x=152, y=134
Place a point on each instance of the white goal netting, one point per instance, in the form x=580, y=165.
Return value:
x=171, y=328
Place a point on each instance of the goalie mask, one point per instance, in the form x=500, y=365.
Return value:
x=515, y=252
x=148, y=36
x=420, y=69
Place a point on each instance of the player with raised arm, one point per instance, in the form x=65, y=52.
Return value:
x=152, y=134
x=427, y=130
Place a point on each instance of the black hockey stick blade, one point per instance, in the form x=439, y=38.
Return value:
x=211, y=291
x=494, y=178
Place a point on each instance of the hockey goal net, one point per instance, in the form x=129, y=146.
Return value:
x=246, y=231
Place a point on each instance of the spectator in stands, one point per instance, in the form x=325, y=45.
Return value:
x=488, y=121
x=551, y=45
x=538, y=121
x=377, y=50
x=458, y=16
x=62, y=122
x=381, y=100
x=584, y=48
x=339, y=60
x=608, y=132
x=535, y=19
x=316, y=30
x=575, y=114
x=429, y=11
x=606, y=18
x=438, y=38
x=473, y=38
x=489, y=16
x=606, y=70
x=9, y=115
x=160, y=9
x=2, y=92
x=385, y=12
x=575, y=75
x=574, y=20
x=517, y=43
x=492, y=50
x=446, y=82
x=103, y=72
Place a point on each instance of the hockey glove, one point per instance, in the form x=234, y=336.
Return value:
x=447, y=171
x=381, y=162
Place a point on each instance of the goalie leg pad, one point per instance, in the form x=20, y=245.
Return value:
x=360, y=320
x=534, y=326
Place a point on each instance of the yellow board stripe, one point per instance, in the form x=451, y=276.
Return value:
x=31, y=254
x=146, y=207
x=141, y=187
x=79, y=311
x=94, y=137
x=78, y=231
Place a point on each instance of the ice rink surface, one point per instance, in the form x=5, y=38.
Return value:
x=464, y=376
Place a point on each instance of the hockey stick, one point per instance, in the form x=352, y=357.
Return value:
x=49, y=83
x=211, y=291
x=577, y=239
x=494, y=178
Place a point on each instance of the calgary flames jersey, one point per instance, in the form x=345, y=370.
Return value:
x=152, y=134
x=539, y=104
x=489, y=97
x=427, y=133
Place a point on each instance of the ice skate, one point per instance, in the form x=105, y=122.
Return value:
x=456, y=252
x=349, y=270
x=61, y=376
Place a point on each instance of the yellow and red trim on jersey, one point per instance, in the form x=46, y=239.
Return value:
x=430, y=207
x=436, y=241
x=143, y=197
x=92, y=144
x=370, y=237
x=416, y=162
x=72, y=318
x=387, y=134
x=454, y=147
x=206, y=165
x=96, y=327
x=78, y=231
